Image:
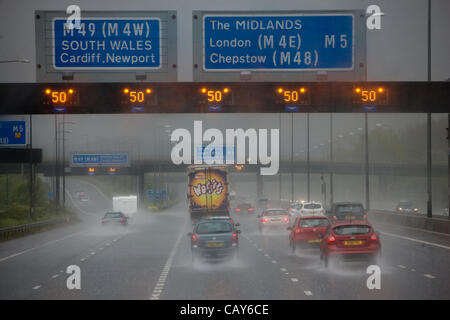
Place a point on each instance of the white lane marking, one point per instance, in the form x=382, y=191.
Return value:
x=429, y=276
x=108, y=244
x=55, y=276
x=100, y=248
x=92, y=253
x=38, y=247
x=294, y=279
x=259, y=249
x=162, y=278
x=415, y=240
x=401, y=266
x=286, y=273
x=283, y=269
x=413, y=270
x=274, y=261
x=308, y=293
x=36, y=287
x=266, y=255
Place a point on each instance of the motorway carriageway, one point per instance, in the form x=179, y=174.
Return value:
x=150, y=259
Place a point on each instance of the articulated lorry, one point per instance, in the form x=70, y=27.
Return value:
x=208, y=192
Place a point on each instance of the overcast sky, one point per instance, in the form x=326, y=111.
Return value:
x=397, y=52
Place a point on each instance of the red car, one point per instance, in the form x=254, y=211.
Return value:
x=354, y=240
x=308, y=231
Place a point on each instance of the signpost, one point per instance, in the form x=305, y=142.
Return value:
x=13, y=133
x=279, y=46
x=99, y=160
x=108, y=46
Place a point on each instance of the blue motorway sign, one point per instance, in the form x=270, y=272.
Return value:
x=13, y=133
x=107, y=43
x=104, y=159
x=278, y=42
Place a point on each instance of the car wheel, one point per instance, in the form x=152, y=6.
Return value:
x=193, y=257
x=325, y=262
x=293, y=247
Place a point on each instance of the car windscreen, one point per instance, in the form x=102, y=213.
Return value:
x=113, y=215
x=405, y=204
x=313, y=223
x=351, y=230
x=214, y=227
x=349, y=208
x=312, y=206
x=275, y=213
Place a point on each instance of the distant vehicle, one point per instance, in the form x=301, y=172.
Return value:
x=311, y=209
x=406, y=206
x=262, y=203
x=208, y=192
x=82, y=196
x=214, y=238
x=354, y=240
x=445, y=212
x=308, y=231
x=244, y=208
x=294, y=208
x=115, y=218
x=125, y=204
x=274, y=218
x=347, y=211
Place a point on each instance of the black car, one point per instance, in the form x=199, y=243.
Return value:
x=115, y=218
x=347, y=211
x=214, y=238
x=406, y=206
x=244, y=208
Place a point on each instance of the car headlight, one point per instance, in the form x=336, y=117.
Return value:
x=400, y=209
x=415, y=209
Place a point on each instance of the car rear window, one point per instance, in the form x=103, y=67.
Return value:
x=351, y=230
x=313, y=223
x=349, y=209
x=244, y=206
x=275, y=213
x=214, y=227
x=312, y=206
x=405, y=204
x=113, y=215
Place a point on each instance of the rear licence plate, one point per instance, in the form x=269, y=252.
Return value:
x=314, y=240
x=275, y=220
x=350, y=217
x=352, y=243
x=214, y=244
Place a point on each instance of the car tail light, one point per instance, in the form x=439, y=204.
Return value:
x=231, y=220
x=122, y=220
x=235, y=238
x=286, y=219
x=238, y=209
x=374, y=237
x=264, y=220
x=250, y=209
x=365, y=216
x=331, y=239
x=103, y=221
x=334, y=217
x=297, y=230
x=194, y=239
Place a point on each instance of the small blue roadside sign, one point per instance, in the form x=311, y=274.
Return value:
x=104, y=159
x=150, y=195
x=278, y=42
x=221, y=153
x=107, y=43
x=164, y=194
x=13, y=133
